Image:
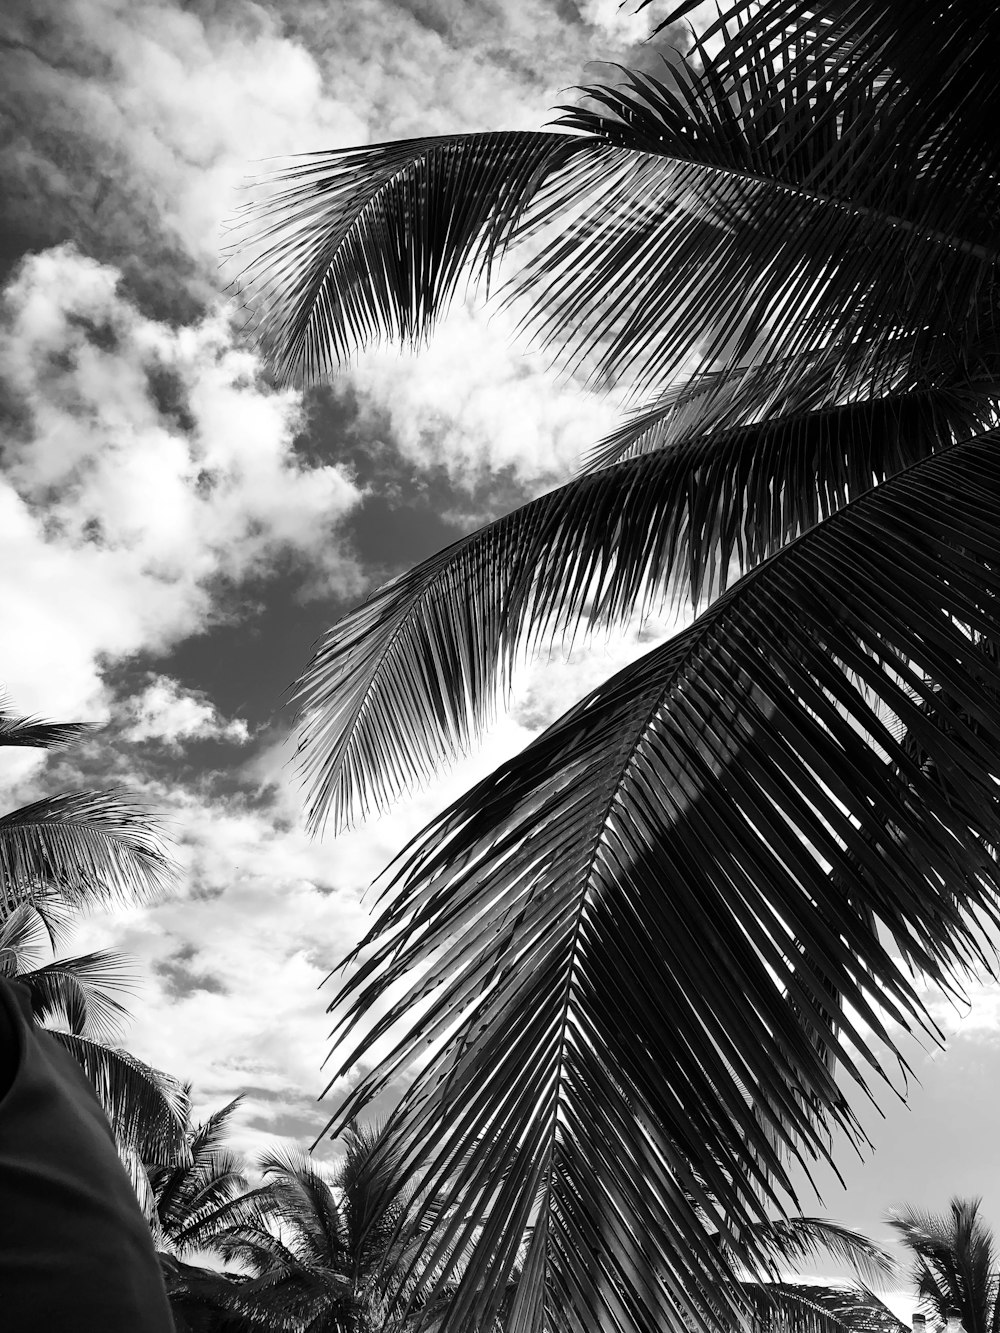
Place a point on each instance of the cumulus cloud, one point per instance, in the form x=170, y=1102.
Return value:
x=168, y=713
x=147, y=469
x=474, y=404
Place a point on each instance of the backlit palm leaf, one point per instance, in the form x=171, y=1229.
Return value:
x=406, y=681
x=146, y=1108
x=662, y=202
x=607, y=929
x=373, y=241
x=90, y=847
x=801, y=1307
x=80, y=993
x=33, y=732
x=797, y=1240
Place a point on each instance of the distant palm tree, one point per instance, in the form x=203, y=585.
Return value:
x=316, y=1242
x=956, y=1268
x=60, y=856
x=785, y=249
x=195, y=1195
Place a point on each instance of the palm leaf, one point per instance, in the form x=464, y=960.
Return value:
x=80, y=993
x=678, y=845
x=23, y=939
x=91, y=847
x=799, y=1239
x=799, y=1307
x=373, y=241
x=172, y=1181
x=34, y=732
x=763, y=181
x=405, y=682
x=146, y=1108
x=303, y=1200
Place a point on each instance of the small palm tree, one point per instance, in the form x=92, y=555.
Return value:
x=59, y=856
x=194, y=1198
x=317, y=1242
x=956, y=1268
x=197, y=1195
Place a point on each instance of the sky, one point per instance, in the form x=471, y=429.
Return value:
x=177, y=533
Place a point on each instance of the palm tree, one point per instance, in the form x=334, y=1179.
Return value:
x=955, y=1264
x=722, y=868
x=195, y=1197
x=59, y=856
x=316, y=1242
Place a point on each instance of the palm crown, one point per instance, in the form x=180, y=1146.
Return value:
x=59, y=856
x=636, y=950
x=955, y=1265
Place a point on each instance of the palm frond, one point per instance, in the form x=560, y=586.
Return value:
x=795, y=1240
x=23, y=939
x=800, y=1307
x=784, y=181
x=658, y=889
x=940, y=55
x=80, y=993
x=720, y=402
x=36, y=733
x=405, y=682
x=372, y=242
x=303, y=1201
x=92, y=847
x=147, y=1109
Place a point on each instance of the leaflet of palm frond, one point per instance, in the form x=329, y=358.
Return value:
x=404, y=683
x=724, y=400
x=146, y=1107
x=657, y=852
x=79, y=993
x=36, y=733
x=90, y=846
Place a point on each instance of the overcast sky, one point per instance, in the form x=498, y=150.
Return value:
x=176, y=534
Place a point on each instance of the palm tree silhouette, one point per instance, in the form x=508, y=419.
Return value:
x=60, y=856
x=717, y=873
x=955, y=1267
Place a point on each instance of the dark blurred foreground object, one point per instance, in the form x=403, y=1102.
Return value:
x=75, y=1249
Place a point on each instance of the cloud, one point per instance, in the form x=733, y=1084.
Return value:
x=474, y=404
x=148, y=473
x=168, y=713
x=152, y=484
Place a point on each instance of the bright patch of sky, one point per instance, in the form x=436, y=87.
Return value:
x=176, y=533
